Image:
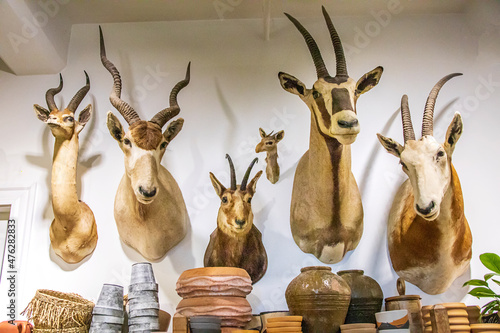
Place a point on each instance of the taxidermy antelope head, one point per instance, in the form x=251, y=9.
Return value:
x=429, y=237
x=269, y=144
x=326, y=214
x=73, y=232
x=150, y=212
x=236, y=242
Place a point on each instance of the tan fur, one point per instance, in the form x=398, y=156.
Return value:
x=269, y=144
x=232, y=244
x=73, y=232
x=150, y=225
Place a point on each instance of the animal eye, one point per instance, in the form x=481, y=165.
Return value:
x=269, y=143
x=440, y=153
x=249, y=200
x=70, y=119
x=163, y=145
x=403, y=165
x=316, y=94
x=224, y=199
x=127, y=142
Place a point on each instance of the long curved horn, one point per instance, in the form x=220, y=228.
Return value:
x=408, y=131
x=243, y=185
x=427, y=123
x=321, y=70
x=49, y=95
x=233, y=173
x=115, y=97
x=165, y=115
x=337, y=45
x=77, y=99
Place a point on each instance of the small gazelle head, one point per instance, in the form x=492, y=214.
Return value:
x=144, y=144
x=63, y=124
x=269, y=141
x=332, y=100
x=426, y=161
x=235, y=217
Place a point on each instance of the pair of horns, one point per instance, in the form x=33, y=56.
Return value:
x=126, y=110
x=428, y=119
x=321, y=70
x=75, y=101
x=243, y=185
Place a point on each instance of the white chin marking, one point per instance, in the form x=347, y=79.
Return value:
x=431, y=217
x=346, y=139
x=143, y=200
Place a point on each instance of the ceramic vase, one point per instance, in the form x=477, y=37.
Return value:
x=321, y=297
x=366, y=297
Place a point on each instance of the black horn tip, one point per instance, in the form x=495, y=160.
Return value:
x=188, y=72
x=87, y=80
x=101, y=43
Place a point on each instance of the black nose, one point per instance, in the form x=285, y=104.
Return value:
x=240, y=223
x=347, y=124
x=427, y=210
x=147, y=194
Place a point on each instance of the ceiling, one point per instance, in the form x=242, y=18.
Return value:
x=35, y=34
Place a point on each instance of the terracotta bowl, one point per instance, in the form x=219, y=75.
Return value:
x=214, y=281
x=485, y=328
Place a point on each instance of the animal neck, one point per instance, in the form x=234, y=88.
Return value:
x=272, y=167
x=452, y=206
x=64, y=197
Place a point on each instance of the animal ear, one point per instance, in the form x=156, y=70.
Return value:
x=262, y=133
x=252, y=185
x=84, y=117
x=114, y=127
x=453, y=133
x=219, y=188
x=292, y=84
x=369, y=80
x=41, y=112
x=280, y=135
x=173, y=129
x=390, y=145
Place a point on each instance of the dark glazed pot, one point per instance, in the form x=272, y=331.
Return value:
x=321, y=297
x=366, y=297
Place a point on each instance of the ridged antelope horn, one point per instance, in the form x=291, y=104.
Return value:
x=115, y=97
x=165, y=115
x=427, y=123
x=321, y=70
x=243, y=185
x=49, y=95
x=77, y=99
x=233, y=173
x=337, y=45
x=408, y=131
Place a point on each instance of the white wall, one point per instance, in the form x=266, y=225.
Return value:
x=234, y=90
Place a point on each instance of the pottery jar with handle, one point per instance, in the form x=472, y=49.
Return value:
x=409, y=302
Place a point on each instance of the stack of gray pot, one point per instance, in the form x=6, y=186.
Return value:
x=108, y=314
x=143, y=304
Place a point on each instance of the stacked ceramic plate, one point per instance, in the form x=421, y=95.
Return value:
x=358, y=328
x=216, y=291
x=457, y=317
x=205, y=324
x=284, y=324
x=485, y=328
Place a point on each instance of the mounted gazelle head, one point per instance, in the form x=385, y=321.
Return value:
x=235, y=217
x=426, y=162
x=144, y=144
x=62, y=124
x=269, y=142
x=332, y=100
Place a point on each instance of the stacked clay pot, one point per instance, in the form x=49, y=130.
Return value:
x=284, y=324
x=358, y=328
x=457, y=317
x=485, y=328
x=143, y=303
x=108, y=315
x=216, y=291
x=321, y=297
x=366, y=297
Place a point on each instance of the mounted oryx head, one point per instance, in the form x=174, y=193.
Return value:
x=332, y=100
x=62, y=124
x=144, y=144
x=235, y=217
x=426, y=161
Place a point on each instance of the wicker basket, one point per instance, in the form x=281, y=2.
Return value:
x=54, y=311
